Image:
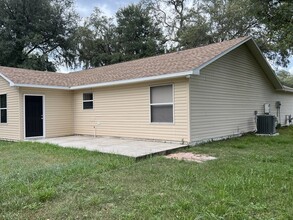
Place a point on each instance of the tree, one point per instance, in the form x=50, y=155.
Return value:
x=218, y=20
x=196, y=33
x=34, y=32
x=276, y=16
x=269, y=22
x=172, y=15
x=97, y=41
x=285, y=77
x=138, y=34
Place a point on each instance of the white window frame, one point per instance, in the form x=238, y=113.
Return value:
x=4, y=109
x=84, y=101
x=161, y=104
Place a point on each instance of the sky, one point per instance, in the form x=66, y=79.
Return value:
x=109, y=7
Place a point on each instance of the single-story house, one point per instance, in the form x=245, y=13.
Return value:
x=209, y=92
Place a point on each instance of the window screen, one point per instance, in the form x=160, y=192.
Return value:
x=162, y=104
x=88, y=96
x=161, y=94
x=3, y=108
x=88, y=101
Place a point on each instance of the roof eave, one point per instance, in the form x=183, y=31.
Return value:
x=136, y=80
x=105, y=84
x=6, y=79
x=286, y=89
x=41, y=86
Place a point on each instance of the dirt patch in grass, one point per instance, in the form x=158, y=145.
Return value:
x=199, y=158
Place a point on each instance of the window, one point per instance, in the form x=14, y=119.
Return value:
x=162, y=104
x=3, y=108
x=88, y=101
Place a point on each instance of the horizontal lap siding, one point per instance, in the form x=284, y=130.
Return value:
x=287, y=104
x=58, y=111
x=11, y=130
x=124, y=111
x=227, y=92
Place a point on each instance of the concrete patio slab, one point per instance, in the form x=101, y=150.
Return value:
x=127, y=147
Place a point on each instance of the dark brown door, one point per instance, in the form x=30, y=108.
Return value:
x=33, y=116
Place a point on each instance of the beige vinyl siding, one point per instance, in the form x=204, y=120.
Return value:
x=58, y=111
x=227, y=92
x=124, y=111
x=10, y=130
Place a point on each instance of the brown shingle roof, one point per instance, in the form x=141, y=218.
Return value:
x=181, y=61
x=33, y=77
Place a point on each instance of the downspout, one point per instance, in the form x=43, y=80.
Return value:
x=189, y=108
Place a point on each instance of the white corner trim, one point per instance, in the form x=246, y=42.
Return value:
x=137, y=80
x=199, y=68
x=196, y=71
x=8, y=80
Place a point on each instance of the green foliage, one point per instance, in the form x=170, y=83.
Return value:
x=285, y=77
x=97, y=40
x=135, y=36
x=42, y=34
x=31, y=31
x=218, y=20
x=276, y=17
x=138, y=35
x=250, y=179
x=269, y=22
x=195, y=35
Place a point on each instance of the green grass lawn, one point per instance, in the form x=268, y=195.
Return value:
x=251, y=179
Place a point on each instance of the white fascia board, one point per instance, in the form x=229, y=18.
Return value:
x=286, y=89
x=121, y=82
x=137, y=80
x=8, y=80
x=42, y=86
x=199, y=68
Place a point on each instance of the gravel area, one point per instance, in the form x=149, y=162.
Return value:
x=199, y=158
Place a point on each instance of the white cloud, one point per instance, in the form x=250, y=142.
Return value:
x=64, y=69
x=290, y=67
x=86, y=7
x=86, y=10
x=83, y=10
x=291, y=70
